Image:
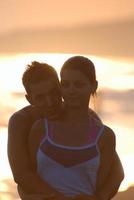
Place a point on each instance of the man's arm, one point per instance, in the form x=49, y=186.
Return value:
x=18, y=130
x=111, y=171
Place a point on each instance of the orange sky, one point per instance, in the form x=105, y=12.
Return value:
x=101, y=28
x=42, y=13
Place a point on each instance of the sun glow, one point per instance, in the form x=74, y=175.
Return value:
x=12, y=68
x=6, y=173
x=128, y=165
x=109, y=73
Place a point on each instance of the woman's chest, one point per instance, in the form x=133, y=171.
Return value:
x=70, y=134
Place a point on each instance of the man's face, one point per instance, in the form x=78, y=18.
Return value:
x=46, y=98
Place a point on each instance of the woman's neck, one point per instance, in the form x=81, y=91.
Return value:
x=74, y=114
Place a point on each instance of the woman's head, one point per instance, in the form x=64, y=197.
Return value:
x=85, y=66
x=78, y=79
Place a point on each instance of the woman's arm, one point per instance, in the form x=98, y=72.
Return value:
x=113, y=181
x=111, y=172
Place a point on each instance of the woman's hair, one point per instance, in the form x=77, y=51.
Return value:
x=83, y=65
x=37, y=72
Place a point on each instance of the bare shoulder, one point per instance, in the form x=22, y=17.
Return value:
x=20, y=121
x=108, y=139
x=16, y=118
x=109, y=133
x=19, y=126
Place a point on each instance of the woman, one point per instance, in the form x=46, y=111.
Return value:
x=72, y=153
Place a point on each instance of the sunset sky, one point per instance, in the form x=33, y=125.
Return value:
x=78, y=26
x=112, y=74
x=38, y=13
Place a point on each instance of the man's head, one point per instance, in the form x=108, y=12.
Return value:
x=42, y=86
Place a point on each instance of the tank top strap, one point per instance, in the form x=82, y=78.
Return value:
x=46, y=127
x=46, y=131
x=100, y=133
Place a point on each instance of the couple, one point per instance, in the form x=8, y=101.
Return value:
x=59, y=149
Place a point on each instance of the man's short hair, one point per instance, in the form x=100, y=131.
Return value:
x=37, y=72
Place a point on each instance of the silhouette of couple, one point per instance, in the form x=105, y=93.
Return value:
x=58, y=148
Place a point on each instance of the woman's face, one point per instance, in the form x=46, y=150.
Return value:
x=76, y=88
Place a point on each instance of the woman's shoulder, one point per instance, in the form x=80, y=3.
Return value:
x=108, y=132
x=108, y=137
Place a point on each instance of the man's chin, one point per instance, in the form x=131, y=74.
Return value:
x=47, y=114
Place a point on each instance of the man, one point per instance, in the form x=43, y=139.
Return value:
x=43, y=102
x=43, y=93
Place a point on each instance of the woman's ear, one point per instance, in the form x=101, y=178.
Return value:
x=94, y=87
